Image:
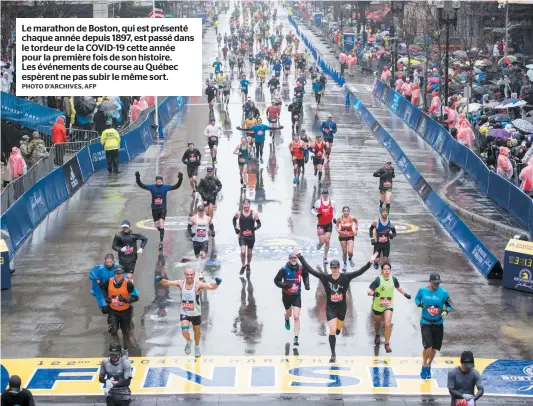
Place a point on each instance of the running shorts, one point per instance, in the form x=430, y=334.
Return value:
x=159, y=214
x=291, y=301
x=212, y=142
x=383, y=249
x=318, y=161
x=207, y=202
x=328, y=138
x=247, y=241
x=323, y=229
x=336, y=312
x=192, y=172
x=129, y=267
x=432, y=335
x=299, y=162
x=194, y=320
x=346, y=238
x=385, y=189
x=226, y=92
x=378, y=313
x=199, y=247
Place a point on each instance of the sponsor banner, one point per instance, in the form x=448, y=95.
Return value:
x=28, y=114
x=317, y=18
x=349, y=41
x=86, y=166
x=267, y=375
x=73, y=177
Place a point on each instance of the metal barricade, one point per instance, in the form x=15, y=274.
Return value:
x=66, y=150
x=81, y=135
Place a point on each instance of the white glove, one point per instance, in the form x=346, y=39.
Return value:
x=123, y=249
x=108, y=386
x=468, y=397
x=140, y=251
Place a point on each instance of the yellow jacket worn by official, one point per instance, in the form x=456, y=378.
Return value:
x=110, y=139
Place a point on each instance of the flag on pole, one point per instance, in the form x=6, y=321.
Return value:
x=156, y=13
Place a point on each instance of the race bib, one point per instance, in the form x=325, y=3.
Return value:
x=318, y=154
x=242, y=159
x=260, y=133
x=214, y=138
x=244, y=88
x=192, y=158
x=337, y=297
x=201, y=233
x=158, y=201
x=187, y=305
x=386, y=184
x=320, y=231
x=247, y=233
x=129, y=250
x=116, y=302
x=345, y=234
x=461, y=402
x=433, y=310
x=384, y=302
x=383, y=239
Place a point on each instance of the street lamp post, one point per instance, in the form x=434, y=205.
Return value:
x=397, y=8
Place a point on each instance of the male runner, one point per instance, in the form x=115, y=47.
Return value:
x=212, y=132
x=347, y=227
x=197, y=228
x=381, y=232
x=325, y=212
x=318, y=149
x=249, y=222
x=258, y=135
x=125, y=243
x=289, y=278
x=243, y=155
x=159, y=192
x=191, y=305
x=382, y=289
x=192, y=158
x=435, y=302
x=244, y=86
x=328, y=128
x=115, y=372
x=336, y=285
x=208, y=189
x=273, y=113
x=385, y=175
x=297, y=148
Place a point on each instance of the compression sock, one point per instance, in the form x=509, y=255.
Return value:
x=332, y=341
x=319, y=176
x=338, y=332
x=388, y=206
x=380, y=204
x=161, y=234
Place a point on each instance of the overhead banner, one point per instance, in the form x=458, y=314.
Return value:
x=349, y=41
x=28, y=114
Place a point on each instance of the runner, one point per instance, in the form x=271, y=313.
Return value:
x=191, y=306
x=381, y=232
x=317, y=88
x=159, y=192
x=261, y=74
x=297, y=148
x=125, y=243
x=328, y=128
x=232, y=59
x=296, y=109
x=318, y=148
x=208, y=189
x=347, y=227
x=243, y=154
x=212, y=93
x=118, y=293
x=212, y=132
x=115, y=373
x=336, y=285
x=217, y=64
x=249, y=222
x=435, y=302
x=244, y=86
x=289, y=278
x=197, y=229
x=385, y=175
x=273, y=113
x=226, y=90
x=258, y=135
x=382, y=289
x=325, y=212
x=192, y=158
x=305, y=140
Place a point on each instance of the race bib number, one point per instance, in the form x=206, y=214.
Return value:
x=383, y=239
x=260, y=133
x=116, y=302
x=214, y=138
x=158, y=201
x=244, y=88
x=461, y=402
x=318, y=154
x=433, y=310
x=337, y=297
x=241, y=159
x=129, y=250
x=192, y=158
x=386, y=184
x=384, y=302
x=247, y=233
x=201, y=233
x=187, y=306
x=320, y=231
x=345, y=233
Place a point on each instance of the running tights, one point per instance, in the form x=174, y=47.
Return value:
x=259, y=149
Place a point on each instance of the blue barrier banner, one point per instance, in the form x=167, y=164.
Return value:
x=382, y=134
x=395, y=101
x=28, y=114
x=98, y=156
x=349, y=41
x=435, y=204
x=6, y=236
x=56, y=191
x=18, y=222
x=317, y=18
x=378, y=88
x=458, y=154
x=123, y=154
x=86, y=165
x=367, y=117
x=443, y=137
x=432, y=132
x=478, y=171
x=36, y=205
x=519, y=204
x=401, y=107
x=411, y=115
x=408, y=169
x=422, y=125
x=72, y=175
x=423, y=188
x=499, y=189
x=134, y=141
x=390, y=144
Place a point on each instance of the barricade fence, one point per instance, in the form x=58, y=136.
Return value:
x=500, y=190
x=29, y=199
x=484, y=260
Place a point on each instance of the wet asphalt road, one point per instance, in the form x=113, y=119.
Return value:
x=245, y=317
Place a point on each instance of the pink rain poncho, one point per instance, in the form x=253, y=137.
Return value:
x=435, y=106
x=398, y=85
x=415, y=98
x=452, y=117
x=505, y=168
x=351, y=60
x=16, y=163
x=135, y=110
x=150, y=100
x=385, y=75
x=465, y=135
x=462, y=120
x=407, y=89
x=143, y=104
x=343, y=58
x=526, y=176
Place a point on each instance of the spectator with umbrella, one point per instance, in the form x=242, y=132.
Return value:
x=84, y=107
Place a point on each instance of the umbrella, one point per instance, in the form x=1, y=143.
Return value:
x=433, y=79
x=85, y=105
x=523, y=125
x=529, y=66
x=474, y=106
x=499, y=133
x=510, y=103
x=500, y=118
x=459, y=54
x=491, y=104
x=507, y=60
x=483, y=62
x=107, y=106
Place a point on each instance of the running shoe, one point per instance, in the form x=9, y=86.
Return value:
x=387, y=347
x=295, y=342
x=160, y=245
x=351, y=262
x=316, y=172
x=376, y=265
x=287, y=324
x=377, y=340
x=243, y=268
x=197, y=352
x=428, y=373
x=344, y=266
x=261, y=160
x=248, y=270
x=319, y=245
x=333, y=359
x=242, y=181
x=188, y=347
x=193, y=193
x=424, y=372
x=295, y=180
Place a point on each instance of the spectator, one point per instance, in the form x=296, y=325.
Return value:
x=17, y=165
x=14, y=395
x=386, y=75
x=126, y=105
x=434, y=108
x=462, y=381
x=59, y=136
x=24, y=149
x=6, y=86
x=135, y=110
x=407, y=89
x=415, y=99
x=6, y=174
x=36, y=148
x=505, y=168
x=111, y=142
x=399, y=83
x=451, y=120
x=465, y=135
x=526, y=176
x=7, y=68
x=70, y=112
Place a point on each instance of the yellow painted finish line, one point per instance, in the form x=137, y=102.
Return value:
x=248, y=375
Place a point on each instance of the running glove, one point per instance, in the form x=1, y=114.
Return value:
x=373, y=242
x=180, y=175
x=421, y=305
x=444, y=313
x=218, y=281
x=123, y=249
x=468, y=397
x=391, y=236
x=237, y=231
x=137, y=174
x=407, y=296
x=140, y=251
x=192, y=234
x=376, y=294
